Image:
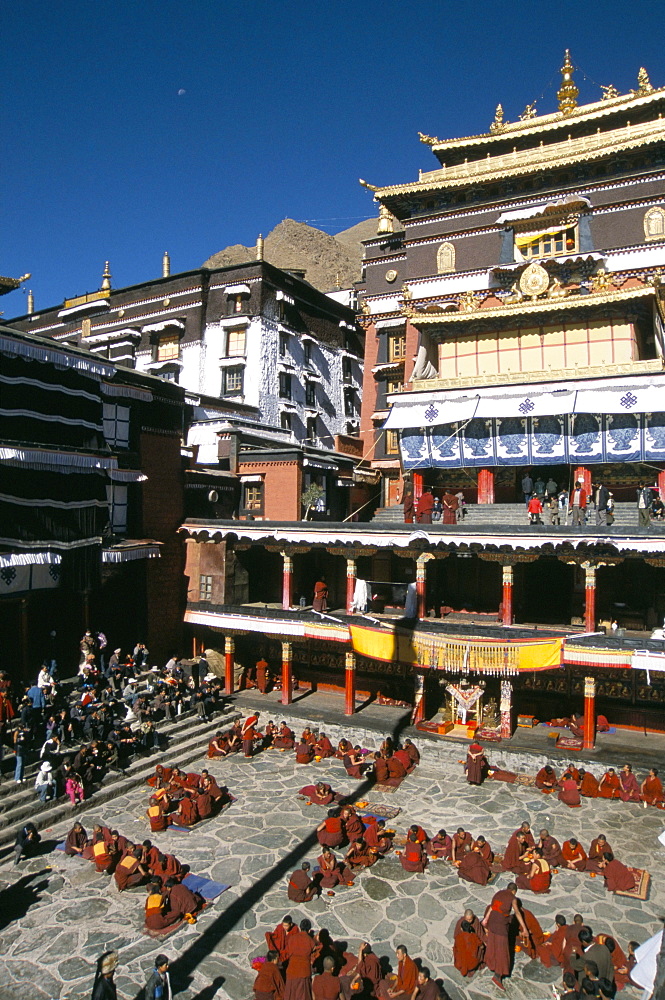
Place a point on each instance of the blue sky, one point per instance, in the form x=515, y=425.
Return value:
x=131, y=128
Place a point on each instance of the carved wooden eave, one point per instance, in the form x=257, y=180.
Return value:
x=524, y=162
x=534, y=308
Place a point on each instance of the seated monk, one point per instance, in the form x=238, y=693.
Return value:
x=330, y=833
x=573, y=772
x=574, y=855
x=520, y=842
x=209, y=784
x=375, y=838
x=368, y=969
x=652, y=789
x=404, y=985
x=354, y=762
x=576, y=725
x=160, y=778
x=333, y=872
x=619, y=961
x=413, y=858
x=204, y=804
x=405, y=760
x=618, y=878
x=168, y=866
x=324, y=747
x=76, y=841
x=218, y=747
x=234, y=737
x=185, y=814
x=539, y=876
x=629, y=790
x=98, y=833
x=551, y=849
x=546, y=779
x=533, y=940
x=104, y=856
x=588, y=784
x=610, y=786
x=380, y=770
x=396, y=771
x=301, y=889
x=285, y=739
x=462, y=842
x=192, y=780
x=440, y=846
x=354, y=828
x=308, y=736
x=602, y=725
x=413, y=752
x=304, y=753
x=182, y=900
x=473, y=867
x=130, y=871
x=149, y=856
x=421, y=835
x=553, y=949
x=598, y=847
x=157, y=817
x=269, y=734
x=269, y=982
x=359, y=855
x=468, y=948
x=277, y=939
x=569, y=791
x=343, y=747
x=157, y=916
x=320, y=794
x=484, y=849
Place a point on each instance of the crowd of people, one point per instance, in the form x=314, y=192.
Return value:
x=183, y=799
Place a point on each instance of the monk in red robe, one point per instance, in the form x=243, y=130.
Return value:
x=160, y=778
x=462, y=842
x=269, y=982
x=413, y=858
x=546, y=779
x=203, y=803
x=404, y=759
x=157, y=916
x=304, y=753
x=474, y=868
x=299, y=951
x=520, y=842
x=619, y=961
x=598, y=847
x=182, y=900
x=333, y=871
x=468, y=949
x=343, y=747
x=629, y=790
x=129, y=871
x=553, y=948
x=588, y=784
x=354, y=828
x=354, y=762
x=476, y=925
x=359, y=856
x=539, y=876
x=249, y=734
x=369, y=969
x=551, y=849
x=168, y=866
x=285, y=739
x=330, y=833
x=396, y=771
x=277, y=939
x=652, y=789
x=327, y=986
x=319, y=794
x=324, y=747
x=185, y=814
x=404, y=985
x=301, y=888
x=476, y=764
x=376, y=839
x=412, y=751
x=497, y=920
x=76, y=841
x=440, y=846
x=218, y=746
x=424, y=507
x=618, y=878
x=574, y=855
x=484, y=849
x=609, y=786
x=380, y=770
x=220, y=796
x=533, y=941
x=569, y=791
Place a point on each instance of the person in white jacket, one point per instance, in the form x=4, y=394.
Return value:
x=45, y=783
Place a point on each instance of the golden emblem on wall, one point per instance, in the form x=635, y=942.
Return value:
x=391, y=275
x=534, y=281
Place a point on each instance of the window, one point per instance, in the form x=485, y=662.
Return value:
x=445, y=258
x=205, y=588
x=116, y=497
x=307, y=351
x=347, y=370
x=392, y=386
x=310, y=393
x=285, y=421
x=236, y=344
x=168, y=348
x=282, y=345
x=392, y=443
x=397, y=347
x=654, y=224
x=549, y=244
x=349, y=402
x=232, y=382
x=253, y=497
x=285, y=385
x=234, y=304
x=171, y=375
x=311, y=430
x=116, y=425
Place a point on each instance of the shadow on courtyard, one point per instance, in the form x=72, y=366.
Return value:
x=16, y=900
x=209, y=940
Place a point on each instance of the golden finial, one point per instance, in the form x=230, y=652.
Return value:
x=498, y=124
x=567, y=93
x=643, y=83
x=106, y=278
x=259, y=246
x=609, y=92
x=166, y=265
x=366, y=184
x=429, y=140
x=385, y=221
x=529, y=112
x=31, y=303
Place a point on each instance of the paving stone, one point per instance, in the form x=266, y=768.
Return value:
x=75, y=968
x=537, y=973
x=377, y=888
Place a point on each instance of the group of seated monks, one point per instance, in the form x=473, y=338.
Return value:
x=304, y=963
x=534, y=861
x=566, y=946
x=169, y=902
x=575, y=782
x=182, y=798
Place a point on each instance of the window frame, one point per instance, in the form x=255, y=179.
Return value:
x=205, y=587
x=228, y=374
x=445, y=258
x=392, y=443
x=655, y=212
x=165, y=341
x=116, y=420
x=546, y=243
x=118, y=500
x=256, y=503
x=310, y=393
x=397, y=340
x=285, y=388
x=236, y=337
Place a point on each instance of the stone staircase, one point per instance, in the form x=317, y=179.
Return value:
x=498, y=515
x=186, y=736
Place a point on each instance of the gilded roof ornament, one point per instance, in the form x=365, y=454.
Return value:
x=385, y=221
x=529, y=112
x=643, y=83
x=609, y=92
x=567, y=92
x=106, y=278
x=429, y=140
x=498, y=124
x=365, y=184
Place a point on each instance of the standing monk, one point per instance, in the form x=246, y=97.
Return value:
x=320, y=602
x=476, y=764
x=269, y=983
x=450, y=504
x=327, y=986
x=468, y=948
x=424, y=507
x=299, y=950
x=497, y=920
x=261, y=675
x=277, y=940
x=249, y=734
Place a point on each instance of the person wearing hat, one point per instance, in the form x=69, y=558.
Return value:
x=45, y=782
x=104, y=987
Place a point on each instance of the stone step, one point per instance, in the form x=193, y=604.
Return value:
x=188, y=748
x=625, y=514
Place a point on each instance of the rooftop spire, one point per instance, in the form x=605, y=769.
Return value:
x=567, y=93
x=166, y=265
x=259, y=247
x=31, y=303
x=106, y=278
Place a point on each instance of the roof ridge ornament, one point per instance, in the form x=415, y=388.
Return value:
x=643, y=83
x=567, y=92
x=609, y=92
x=498, y=124
x=429, y=140
x=529, y=112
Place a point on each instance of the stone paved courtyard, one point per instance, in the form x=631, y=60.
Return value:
x=57, y=915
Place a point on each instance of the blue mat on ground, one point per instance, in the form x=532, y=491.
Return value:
x=180, y=829
x=205, y=886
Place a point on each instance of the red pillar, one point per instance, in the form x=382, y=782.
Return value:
x=590, y=597
x=583, y=476
x=417, y=480
x=287, y=582
x=287, y=674
x=661, y=485
x=229, y=651
x=485, y=486
x=419, y=707
x=350, y=685
x=421, y=562
x=508, y=594
x=350, y=584
x=589, y=713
